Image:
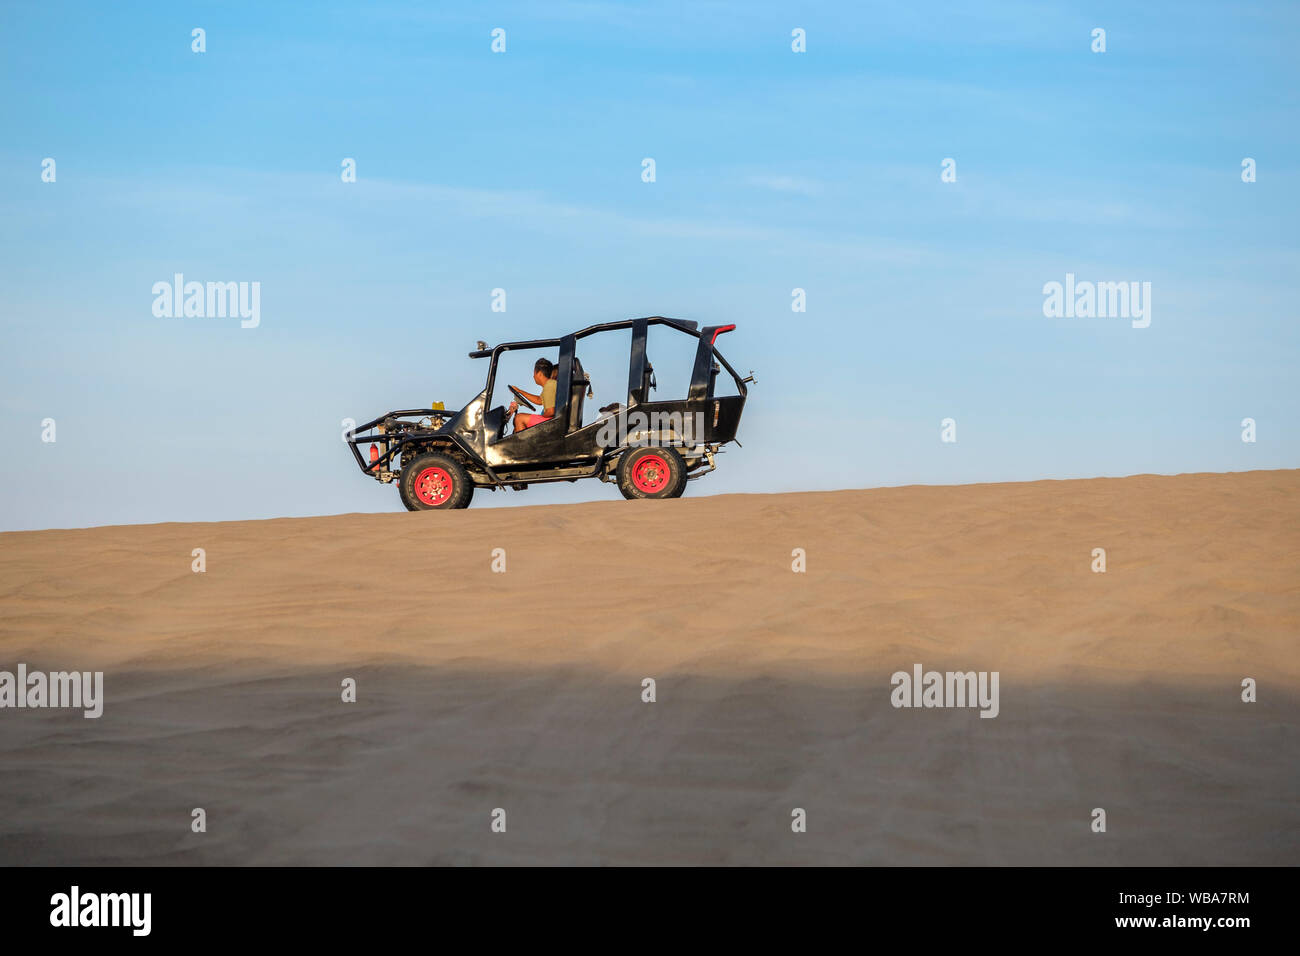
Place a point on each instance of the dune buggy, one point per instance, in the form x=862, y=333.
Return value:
x=649, y=447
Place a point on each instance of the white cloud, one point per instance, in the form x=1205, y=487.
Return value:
x=786, y=184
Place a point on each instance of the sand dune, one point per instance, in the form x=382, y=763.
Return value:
x=522, y=690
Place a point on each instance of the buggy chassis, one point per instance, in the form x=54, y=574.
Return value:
x=691, y=429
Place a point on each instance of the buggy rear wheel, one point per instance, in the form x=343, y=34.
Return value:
x=651, y=473
x=434, y=482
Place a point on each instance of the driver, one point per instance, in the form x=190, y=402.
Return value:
x=544, y=374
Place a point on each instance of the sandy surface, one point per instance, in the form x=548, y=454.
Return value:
x=480, y=690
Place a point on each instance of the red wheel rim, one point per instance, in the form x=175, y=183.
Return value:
x=650, y=474
x=433, y=486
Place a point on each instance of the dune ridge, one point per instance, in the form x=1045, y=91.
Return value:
x=522, y=689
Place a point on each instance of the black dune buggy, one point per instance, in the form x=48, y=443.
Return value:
x=651, y=448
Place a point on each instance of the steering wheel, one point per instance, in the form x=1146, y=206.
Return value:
x=522, y=398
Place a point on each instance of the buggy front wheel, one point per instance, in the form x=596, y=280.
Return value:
x=434, y=482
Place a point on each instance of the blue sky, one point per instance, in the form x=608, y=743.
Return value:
x=522, y=171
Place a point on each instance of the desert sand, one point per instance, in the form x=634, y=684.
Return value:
x=522, y=690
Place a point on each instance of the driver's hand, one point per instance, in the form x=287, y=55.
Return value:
x=511, y=409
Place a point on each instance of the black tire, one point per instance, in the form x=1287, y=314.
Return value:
x=651, y=473
x=429, y=492
x=409, y=507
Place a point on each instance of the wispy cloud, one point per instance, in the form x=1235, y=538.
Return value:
x=313, y=197
x=786, y=184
